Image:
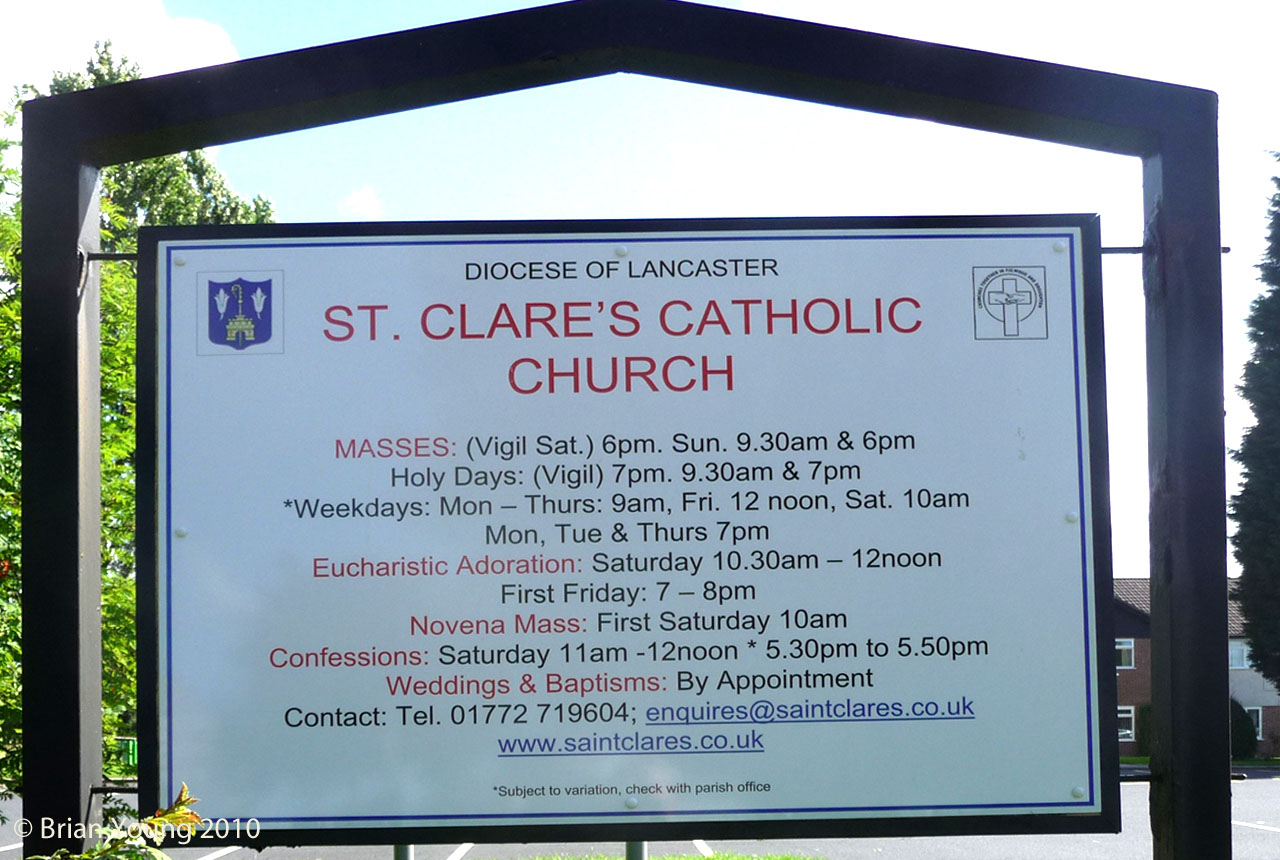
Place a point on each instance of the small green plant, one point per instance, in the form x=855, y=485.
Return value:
x=139, y=841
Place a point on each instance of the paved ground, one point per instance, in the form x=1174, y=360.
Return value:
x=1255, y=836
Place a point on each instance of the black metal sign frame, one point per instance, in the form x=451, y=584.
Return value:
x=613, y=824
x=1172, y=129
x=975, y=819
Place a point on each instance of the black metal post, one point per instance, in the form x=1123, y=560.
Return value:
x=61, y=631
x=1190, y=758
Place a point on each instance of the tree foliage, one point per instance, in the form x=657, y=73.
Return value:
x=10, y=467
x=1244, y=735
x=1256, y=508
x=184, y=188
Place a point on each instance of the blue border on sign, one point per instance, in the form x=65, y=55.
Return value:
x=1071, y=237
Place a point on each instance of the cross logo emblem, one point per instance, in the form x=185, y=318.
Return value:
x=1009, y=300
x=1009, y=303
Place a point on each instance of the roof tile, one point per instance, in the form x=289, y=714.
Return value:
x=1136, y=593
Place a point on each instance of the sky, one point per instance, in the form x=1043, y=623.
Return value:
x=627, y=146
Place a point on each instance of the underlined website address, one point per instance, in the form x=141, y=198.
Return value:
x=633, y=743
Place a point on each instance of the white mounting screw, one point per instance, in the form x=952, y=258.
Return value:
x=632, y=802
x=621, y=251
x=1078, y=791
x=1073, y=517
x=179, y=261
x=1059, y=246
x=180, y=533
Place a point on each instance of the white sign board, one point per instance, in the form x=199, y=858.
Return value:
x=664, y=525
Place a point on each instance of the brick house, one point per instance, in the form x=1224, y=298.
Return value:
x=1133, y=670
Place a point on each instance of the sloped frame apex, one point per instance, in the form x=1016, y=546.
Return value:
x=571, y=41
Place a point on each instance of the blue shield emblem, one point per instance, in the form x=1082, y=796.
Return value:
x=239, y=313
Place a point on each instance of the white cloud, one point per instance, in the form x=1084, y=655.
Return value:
x=59, y=36
x=362, y=204
x=177, y=44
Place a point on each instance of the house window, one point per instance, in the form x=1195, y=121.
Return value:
x=1237, y=654
x=1124, y=722
x=1124, y=653
x=1255, y=714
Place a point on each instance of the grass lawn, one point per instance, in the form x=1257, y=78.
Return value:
x=1238, y=762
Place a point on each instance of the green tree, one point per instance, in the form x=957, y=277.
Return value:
x=1244, y=735
x=1256, y=508
x=184, y=188
x=10, y=465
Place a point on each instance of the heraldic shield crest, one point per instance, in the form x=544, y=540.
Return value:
x=240, y=313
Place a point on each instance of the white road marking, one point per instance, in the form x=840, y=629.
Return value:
x=10, y=847
x=221, y=852
x=1257, y=826
x=461, y=850
x=703, y=848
